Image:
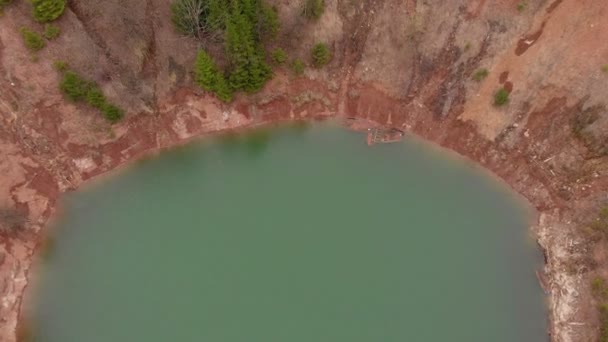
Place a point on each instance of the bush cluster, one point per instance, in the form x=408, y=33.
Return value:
x=111, y=112
x=78, y=89
x=313, y=9
x=33, y=41
x=51, y=31
x=279, y=56
x=501, y=97
x=298, y=67
x=47, y=10
x=480, y=74
x=74, y=87
x=320, y=55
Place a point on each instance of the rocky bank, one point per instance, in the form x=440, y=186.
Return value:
x=398, y=64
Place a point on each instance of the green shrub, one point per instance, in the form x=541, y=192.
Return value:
x=112, y=113
x=33, y=41
x=298, y=67
x=269, y=22
x=95, y=97
x=279, y=56
x=521, y=6
x=501, y=97
x=480, y=74
x=74, y=87
x=313, y=9
x=60, y=66
x=47, y=10
x=51, y=31
x=320, y=55
x=605, y=68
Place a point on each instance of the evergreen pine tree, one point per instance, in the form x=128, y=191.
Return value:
x=205, y=71
x=320, y=55
x=208, y=77
x=218, y=13
x=223, y=90
x=268, y=25
x=47, y=10
x=245, y=23
x=249, y=71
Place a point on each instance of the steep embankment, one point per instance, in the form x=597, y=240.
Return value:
x=406, y=65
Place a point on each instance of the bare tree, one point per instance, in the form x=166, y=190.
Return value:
x=188, y=16
x=193, y=17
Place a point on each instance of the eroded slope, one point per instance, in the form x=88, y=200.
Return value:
x=405, y=65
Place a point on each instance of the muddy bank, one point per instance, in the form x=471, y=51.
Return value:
x=562, y=288
x=304, y=146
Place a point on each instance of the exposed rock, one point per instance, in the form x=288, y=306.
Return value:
x=404, y=65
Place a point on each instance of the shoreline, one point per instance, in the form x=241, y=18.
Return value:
x=397, y=66
x=532, y=215
x=563, y=289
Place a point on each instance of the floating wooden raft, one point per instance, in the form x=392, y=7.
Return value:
x=381, y=135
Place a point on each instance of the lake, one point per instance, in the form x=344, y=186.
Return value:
x=294, y=234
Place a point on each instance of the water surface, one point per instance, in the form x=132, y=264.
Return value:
x=292, y=235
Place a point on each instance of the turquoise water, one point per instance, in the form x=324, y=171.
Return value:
x=292, y=235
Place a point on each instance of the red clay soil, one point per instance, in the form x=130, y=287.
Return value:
x=399, y=66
